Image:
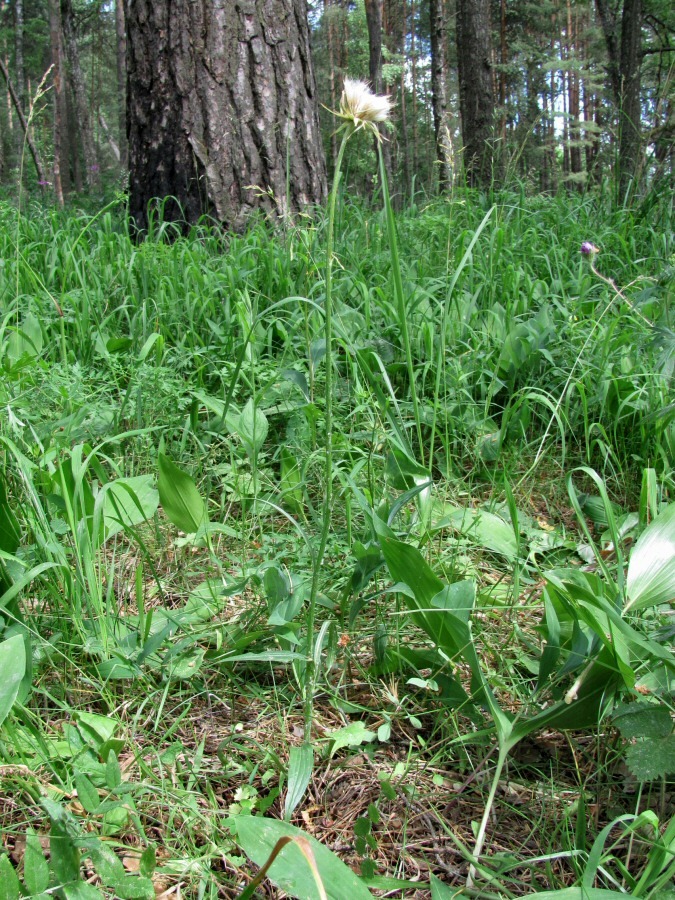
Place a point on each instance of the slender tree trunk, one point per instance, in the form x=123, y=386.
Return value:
x=608, y=21
x=109, y=137
x=61, y=173
x=121, y=64
x=439, y=94
x=18, y=51
x=374, y=22
x=573, y=88
x=79, y=94
x=629, y=125
x=222, y=109
x=476, y=94
x=413, y=66
x=37, y=162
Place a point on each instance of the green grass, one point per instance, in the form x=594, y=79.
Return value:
x=162, y=500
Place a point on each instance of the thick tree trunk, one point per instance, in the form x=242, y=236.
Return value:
x=79, y=94
x=439, y=94
x=121, y=64
x=629, y=124
x=476, y=93
x=222, y=114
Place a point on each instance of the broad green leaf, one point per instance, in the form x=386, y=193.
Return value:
x=12, y=668
x=277, y=586
x=148, y=862
x=291, y=481
x=290, y=871
x=440, y=891
x=87, y=793
x=643, y=720
x=10, y=887
x=80, y=890
x=252, y=427
x=95, y=728
x=651, y=570
x=300, y=766
x=35, y=867
x=107, y=864
x=402, y=471
x=113, y=773
x=651, y=759
x=128, y=502
x=180, y=499
x=350, y=736
x=64, y=855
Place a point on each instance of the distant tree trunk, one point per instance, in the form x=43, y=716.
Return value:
x=413, y=73
x=608, y=21
x=573, y=94
x=629, y=124
x=330, y=40
x=18, y=51
x=476, y=93
x=624, y=64
x=439, y=94
x=222, y=113
x=503, y=59
x=121, y=64
x=39, y=168
x=374, y=23
x=61, y=172
x=79, y=94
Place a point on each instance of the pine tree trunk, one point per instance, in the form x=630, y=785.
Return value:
x=629, y=124
x=222, y=113
x=79, y=94
x=476, y=93
x=121, y=65
x=439, y=94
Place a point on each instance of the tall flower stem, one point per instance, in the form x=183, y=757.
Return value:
x=400, y=297
x=310, y=669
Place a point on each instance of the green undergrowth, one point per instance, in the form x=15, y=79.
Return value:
x=490, y=663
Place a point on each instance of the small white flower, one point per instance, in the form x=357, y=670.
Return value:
x=361, y=108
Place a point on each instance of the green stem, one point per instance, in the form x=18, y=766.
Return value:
x=400, y=298
x=310, y=671
x=480, y=837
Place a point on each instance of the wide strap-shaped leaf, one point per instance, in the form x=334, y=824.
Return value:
x=180, y=499
x=290, y=871
x=651, y=570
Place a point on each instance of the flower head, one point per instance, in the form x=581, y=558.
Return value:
x=589, y=249
x=361, y=108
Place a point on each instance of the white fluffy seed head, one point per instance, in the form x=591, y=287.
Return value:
x=361, y=106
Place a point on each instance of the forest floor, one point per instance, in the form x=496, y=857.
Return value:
x=484, y=664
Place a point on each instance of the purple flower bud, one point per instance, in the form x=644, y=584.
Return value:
x=589, y=249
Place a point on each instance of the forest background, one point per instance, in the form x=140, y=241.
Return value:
x=565, y=80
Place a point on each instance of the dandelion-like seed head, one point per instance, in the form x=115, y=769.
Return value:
x=361, y=108
x=589, y=249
